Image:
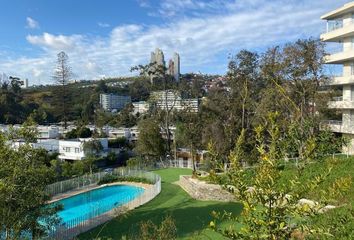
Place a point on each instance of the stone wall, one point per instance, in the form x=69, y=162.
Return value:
x=204, y=191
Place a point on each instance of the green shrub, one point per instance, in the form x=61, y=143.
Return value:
x=110, y=178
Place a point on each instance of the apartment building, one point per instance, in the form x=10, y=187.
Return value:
x=172, y=100
x=141, y=107
x=73, y=150
x=111, y=101
x=340, y=30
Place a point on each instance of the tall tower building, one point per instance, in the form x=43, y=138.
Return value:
x=176, y=66
x=171, y=68
x=153, y=57
x=160, y=59
x=157, y=57
x=340, y=30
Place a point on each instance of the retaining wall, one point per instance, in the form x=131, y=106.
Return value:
x=204, y=191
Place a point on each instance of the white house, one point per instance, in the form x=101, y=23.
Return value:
x=48, y=132
x=119, y=132
x=50, y=145
x=74, y=149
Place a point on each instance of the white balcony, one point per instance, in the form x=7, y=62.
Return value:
x=340, y=104
x=340, y=57
x=342, y=80
x=338, y=126
x=337, y=32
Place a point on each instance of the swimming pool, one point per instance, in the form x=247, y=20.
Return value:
x=82, y=207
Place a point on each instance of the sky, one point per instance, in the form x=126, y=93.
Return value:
x=105, y=38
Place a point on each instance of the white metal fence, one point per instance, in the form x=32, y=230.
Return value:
x=103, y=212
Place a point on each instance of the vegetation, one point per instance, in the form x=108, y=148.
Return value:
x=271, y=206
x=62, y=75
x=191, y=217
x=111, y=178
x=23, y=179
x=80, y=132
x=150, y=144
x=284, y=83
x=165, y=231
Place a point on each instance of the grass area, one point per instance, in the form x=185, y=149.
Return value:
x=339, y=221
x=341, y=167
x=191, y=216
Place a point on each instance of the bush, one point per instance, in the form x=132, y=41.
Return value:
x=118, y=142
x=82, y=132
x=110, y=178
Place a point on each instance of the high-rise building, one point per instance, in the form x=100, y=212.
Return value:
x=157, y=57
x=340, y=29
x=176, y=66
x=157, y=60
x=171, y=67
x=111, y=101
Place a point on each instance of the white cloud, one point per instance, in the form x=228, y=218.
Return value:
x=31, y=23
x=52, y=42
x=103, y=25
x=203, y=42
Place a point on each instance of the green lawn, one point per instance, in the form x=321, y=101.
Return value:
x=191, y=216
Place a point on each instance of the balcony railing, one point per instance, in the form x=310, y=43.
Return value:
x=332, y=122
x=334, y=25
x=337, y=99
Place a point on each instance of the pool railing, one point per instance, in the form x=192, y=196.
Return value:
x=101, y=213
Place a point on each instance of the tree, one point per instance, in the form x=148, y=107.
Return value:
x=79, y=132
x=92, y=149
x=101, y=87
x=150, y=143
x=244, y=81
x=11, y=109
x=23, y=199
x=62, y=75
x=125, y=117
x=162, y=81
x=188, y=134
x=271, y=210
x=229, y=110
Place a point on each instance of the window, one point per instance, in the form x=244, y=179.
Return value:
x=352, y=68
x=67, y=149
x=77, y=150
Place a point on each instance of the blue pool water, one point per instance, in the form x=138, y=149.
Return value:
x=86, y=205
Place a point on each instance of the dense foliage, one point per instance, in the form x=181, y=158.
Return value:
x=24, y=176
x=273, y=208
x=111, y=178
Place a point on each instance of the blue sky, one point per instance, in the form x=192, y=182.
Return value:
x=107, y=37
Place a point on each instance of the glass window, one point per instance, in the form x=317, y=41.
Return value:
x=77, y=150
x=67, y=149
